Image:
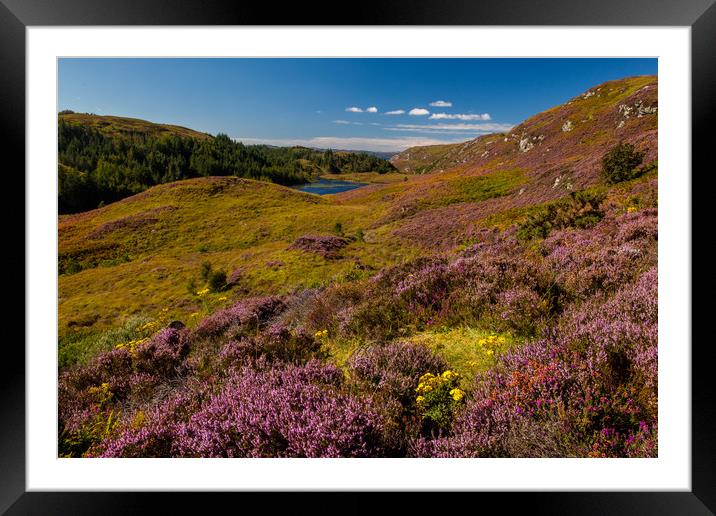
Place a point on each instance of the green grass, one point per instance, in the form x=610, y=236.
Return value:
x=467, y=350
x=422, y=160
x=475, y=188
x=79, y=347
x=121, y=126
x=233, y=223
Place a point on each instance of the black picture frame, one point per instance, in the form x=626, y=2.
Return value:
x=16, y=15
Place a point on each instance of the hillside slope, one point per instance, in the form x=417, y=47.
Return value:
x=542, y=159
x=119, y=126
x=103, y=159
x=616, y=110
x=137, y=255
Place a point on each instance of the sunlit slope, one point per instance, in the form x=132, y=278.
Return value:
x=614, y=110
x=125, y=126
x=498, y=177
x=137, y=256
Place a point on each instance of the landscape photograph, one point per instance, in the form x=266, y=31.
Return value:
x=357, y=257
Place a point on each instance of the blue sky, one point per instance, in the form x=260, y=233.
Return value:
x=369, y=104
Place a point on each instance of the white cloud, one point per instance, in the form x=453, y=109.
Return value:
x=346, y=122
x=395, y=112
x=418, y=112
x=372, y=109
x=441, y=103
x=353, y=143
x=354, y=109
x=451, y=128
x=456, y=116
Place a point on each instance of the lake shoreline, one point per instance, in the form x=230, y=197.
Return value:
x=324, y=186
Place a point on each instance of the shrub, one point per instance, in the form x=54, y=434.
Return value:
x=579, y=210
x=591, y=388
x=216, y=281
x=276, y=344
x=325, y=246
x=621, y=162
x=602, y=259
x=394, y=369
x=438, y=397
x=282, y=412
x=248, y=315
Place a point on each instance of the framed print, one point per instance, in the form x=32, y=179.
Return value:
x=419, y=252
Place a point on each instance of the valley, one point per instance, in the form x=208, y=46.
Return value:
x=513, y=276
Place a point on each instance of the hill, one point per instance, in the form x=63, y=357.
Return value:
x=103, y=159
x=502, y=305
x=421, y=160
x=559, y=137
x=117, y=126
x=174, y=227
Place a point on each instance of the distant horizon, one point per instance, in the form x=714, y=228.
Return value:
x=373, y=105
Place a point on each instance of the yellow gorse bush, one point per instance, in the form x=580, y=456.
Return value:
x=429, y=382
x=457, y=394
x=438, y=396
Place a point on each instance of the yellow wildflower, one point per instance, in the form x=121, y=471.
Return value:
x=194, y=314
x=457, y=394
x=631, y=209
x=222, y=298
x=449, y=375
x=203, y=292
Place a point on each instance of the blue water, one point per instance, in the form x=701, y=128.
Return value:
x=329, y=186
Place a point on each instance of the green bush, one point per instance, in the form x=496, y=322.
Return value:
x=621, y=163
x=579, y=210
x=216, y=281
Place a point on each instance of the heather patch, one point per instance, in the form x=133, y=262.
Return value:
x=502, y=302
x=325, y=246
